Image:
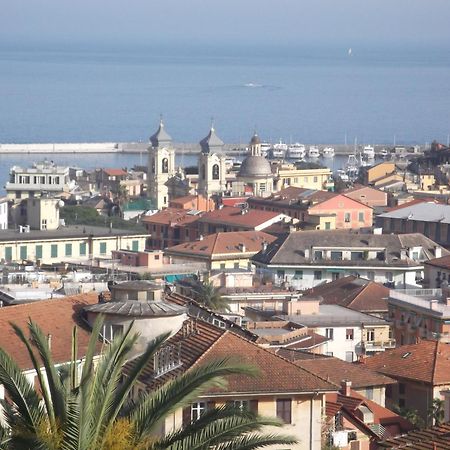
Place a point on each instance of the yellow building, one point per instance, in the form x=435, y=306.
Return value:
x=67, y=243
x=289, y=175
x=231, y=250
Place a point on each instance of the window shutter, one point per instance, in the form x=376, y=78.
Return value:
x=186, y=416
x=253, y=406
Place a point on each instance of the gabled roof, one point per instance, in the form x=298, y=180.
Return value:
x=229, y=215
x=443, y=262
x=423, y=211
x=335, y=370
x=434, y=438
x=352, y=405
x=115, y=172
x=354, y=293
x=56, y=317
x=224, y=244
x=206, y=343
x=427, y=361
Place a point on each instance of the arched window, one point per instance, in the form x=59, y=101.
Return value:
x=203, y=172
x=215, y=172
x=165, y=165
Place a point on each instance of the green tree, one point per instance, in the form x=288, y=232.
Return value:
x=91, y=411
x=209, y=295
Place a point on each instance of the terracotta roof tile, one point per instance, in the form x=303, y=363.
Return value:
x=434, y=438
x=443, y=262
x=354, y=293
x=225, y=243
x=171, y=216
x=335, y=370
x=233, y=216
x=56, y=317
x=115, y=172
x=427, y=361
x=208, y=343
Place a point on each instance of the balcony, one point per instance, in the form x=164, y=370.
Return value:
x=378, y=346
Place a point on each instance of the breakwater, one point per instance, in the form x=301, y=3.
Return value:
x=140, y=147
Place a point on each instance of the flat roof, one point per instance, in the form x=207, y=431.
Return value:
x=334, y=315
x=67, y=232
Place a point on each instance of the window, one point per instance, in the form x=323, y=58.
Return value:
x=335, y=276
x=357, y=256
x=222, y=265
x=243, y=405
x=165, y=165
x=361, y=216
x=328, y=353
x=369, y=393
x=102, y=248
x=156, y=257
x=23, y=252
x=54, y=250
x=317, y=274
x=347, y=217
x=329, y=332
x=298, y=275
x=370, y=335
x=336, y=256
x=83, y=249
x=215, y=172
x=135, y=246
x=402, y=388
x=327, y=225
x=305, y=179
x=68, y=249
x=43, y=224
x=315, y=179
x=236, y=265
x=262, y=187
x=389, y=276
x=38, y=251
x=349, y=356
x=371, y=275
x=284, y=409
x=389, y=391
x=8, y=253
x=197, y=409
x=349, y=334
x=318, y=254
x=280, y=274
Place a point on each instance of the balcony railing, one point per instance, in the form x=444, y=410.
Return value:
x=378, y=345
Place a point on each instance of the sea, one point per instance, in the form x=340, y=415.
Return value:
x=310, y=94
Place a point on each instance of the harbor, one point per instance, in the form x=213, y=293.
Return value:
x=181, y=148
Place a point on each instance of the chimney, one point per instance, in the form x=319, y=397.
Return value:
x=433, y=304
x=437, y=251
x=346, y=386
x=307, y=253
x=403, y=254
x=200, y=238
x=220, y=206
x=264, y=246
x=242, y=247
x=49, y=341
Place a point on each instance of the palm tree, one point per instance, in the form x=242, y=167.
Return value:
x=436, y=412
x=88, y=409
x=209, y=295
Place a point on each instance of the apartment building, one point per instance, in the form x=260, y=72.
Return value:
x=305, y=259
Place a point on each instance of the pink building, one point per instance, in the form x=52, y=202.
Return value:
x=368, y=195
x=349, y=213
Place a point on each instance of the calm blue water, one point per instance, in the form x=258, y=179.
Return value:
x=304, y=94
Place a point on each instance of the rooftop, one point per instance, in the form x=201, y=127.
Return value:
x=234, y=242
x=427, y=361
x=443, y=262
x=202, y=342
x=289, y=249
x=173, y=217
x=115, y=172
x=429, y=300
x=66, y=232
x=334, y=316
x=423, y=211
x=68, y=313
x=229, y=215
x=133, y=308
x=354, y=293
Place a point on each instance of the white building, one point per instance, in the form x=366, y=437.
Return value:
x=3, y=213
x=306, y=259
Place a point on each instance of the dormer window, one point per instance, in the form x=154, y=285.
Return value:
x=336, y=256
x=318, y=254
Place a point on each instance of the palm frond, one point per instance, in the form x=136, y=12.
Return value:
x=253, y=441
x=151, y=409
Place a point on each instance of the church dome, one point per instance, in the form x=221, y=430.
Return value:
x=255, y=166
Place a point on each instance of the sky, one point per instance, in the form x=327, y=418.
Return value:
x=214, y=22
